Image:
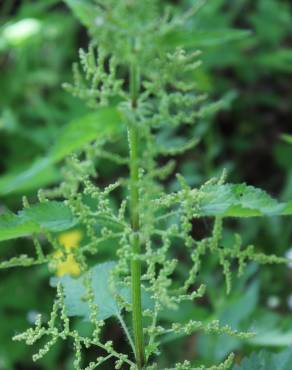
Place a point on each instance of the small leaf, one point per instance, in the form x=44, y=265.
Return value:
x=240, y=200
x=50, y=216
x=267, y=361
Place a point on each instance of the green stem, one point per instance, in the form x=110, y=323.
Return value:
x=135, y=223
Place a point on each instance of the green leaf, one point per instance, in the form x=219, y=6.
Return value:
x=84, y=11
x=288, y=209
x=13, y=226
x=75, y=292
x=239, y=200
x=278, y=60
x=50, y=216
x=210, y=109
x=100, y=125
x=241, y=306
x=267, y=361
x=273, y=338
x=41, y=173
x=287, y=138
x=272, y=330
x=203, y=39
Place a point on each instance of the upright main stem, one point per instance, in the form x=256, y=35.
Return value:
x=135, y=223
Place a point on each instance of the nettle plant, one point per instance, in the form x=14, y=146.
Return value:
x=137, y=79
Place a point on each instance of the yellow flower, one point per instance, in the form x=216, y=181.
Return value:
x=70, y=239
x=68, y=265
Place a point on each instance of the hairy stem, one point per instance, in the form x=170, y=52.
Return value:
x=134, y=209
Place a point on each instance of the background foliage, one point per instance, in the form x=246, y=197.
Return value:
x=246, y=58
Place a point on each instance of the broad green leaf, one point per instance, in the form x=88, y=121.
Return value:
x=267, y=361
x=202, y=39
x=272, y=330
x=104, y=298
x=240, y=307
x=239, y=200
x=100, y=125
x=273, y=338
x=12, y=226
x=75, y=292
x=287, y=138
x=41, y=173
x=50, y=216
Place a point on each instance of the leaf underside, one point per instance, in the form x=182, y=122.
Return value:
x=75, y=292
x=267, y=361
x=105, y=299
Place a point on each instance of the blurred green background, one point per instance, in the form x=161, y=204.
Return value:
x=249, y=74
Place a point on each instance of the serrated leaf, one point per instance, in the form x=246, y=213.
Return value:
x=267, y=361
x=53, y=216
x=240, y=200
x=50, y=216
x=75, y=292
